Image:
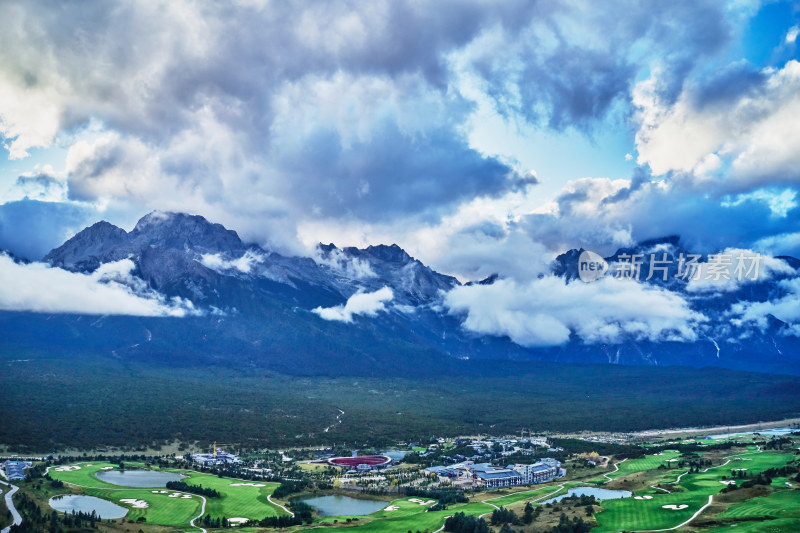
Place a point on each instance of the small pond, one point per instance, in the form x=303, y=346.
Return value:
x=395, y=455
x=600, y=494
x=73, y=502
x=338, y=505
x=138, y=478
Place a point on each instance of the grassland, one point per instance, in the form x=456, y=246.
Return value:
x=237, y=500
x=692, y=491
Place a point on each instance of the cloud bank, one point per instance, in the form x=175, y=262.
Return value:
x=361, y=303
x=548, y=311
x=110, y=290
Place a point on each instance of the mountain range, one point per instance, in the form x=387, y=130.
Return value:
x=379, y=311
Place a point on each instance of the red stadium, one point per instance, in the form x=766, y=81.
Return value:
x=375, y=461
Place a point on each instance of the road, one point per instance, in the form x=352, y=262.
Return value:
x=10, y=504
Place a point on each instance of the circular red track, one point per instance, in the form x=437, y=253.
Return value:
x=371, y=460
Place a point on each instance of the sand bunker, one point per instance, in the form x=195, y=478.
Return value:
x=246, y=485
x=672, y=460
x=728, y=482
x=647, y=497
x=136, y=504
x=674, y=507
x=392, y=508
x=185, y=496
x=738, y=469
x=421, y=502
x=107, y=468
x=175, y=495
x=67, y=468
x=238, y=520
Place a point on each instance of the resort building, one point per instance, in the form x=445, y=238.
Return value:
x=491, y=476
x=217, y=457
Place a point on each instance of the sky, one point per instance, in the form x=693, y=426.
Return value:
x=480, y=136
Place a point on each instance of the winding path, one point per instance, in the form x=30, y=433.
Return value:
x=202, y=512
x=270, y=500
x=10, y=504
x=695, y=515
x=616, y=469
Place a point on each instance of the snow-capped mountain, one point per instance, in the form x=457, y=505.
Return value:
x=379, y=310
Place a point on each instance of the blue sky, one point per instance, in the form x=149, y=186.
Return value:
x=479, y=136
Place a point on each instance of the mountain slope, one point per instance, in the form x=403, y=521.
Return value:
x=259, y=309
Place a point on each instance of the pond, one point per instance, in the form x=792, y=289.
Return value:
x=138, y=478
x=338, y=505
x=600, y=494
x=395, y=455
x=73, y=502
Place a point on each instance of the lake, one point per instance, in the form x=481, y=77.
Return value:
x=87, y=504
x=138, y=478
x=600, y=494
x=338, y=505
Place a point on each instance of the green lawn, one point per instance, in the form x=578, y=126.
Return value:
x=243, y=501
x=412, y=516
x=632, y=514
x=527, y=495
x=784, y=504
x=781, y=525
x=648, y=462
x=84, y=476
x=162, y=509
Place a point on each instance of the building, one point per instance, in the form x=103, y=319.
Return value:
x=490, y=476
x=217, y=457
x=15, y=470
x=541, y=472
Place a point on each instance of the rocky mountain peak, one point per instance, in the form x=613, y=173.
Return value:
x=181, y=231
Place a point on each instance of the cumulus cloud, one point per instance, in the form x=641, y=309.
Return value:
x=783, y=307
x=243, y=264
x=339, y=110
x=603, y=214
x=745, y=118
x=361, y=303
x=728, y=270
x=548, y=311
x=110, y=290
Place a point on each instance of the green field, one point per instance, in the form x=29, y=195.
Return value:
x=85, y=476
x=237, y=500
x=529, y=495
x=633, y=514
x=412, y=516
x=785, y=504
x=648, y=462
x=176, y=511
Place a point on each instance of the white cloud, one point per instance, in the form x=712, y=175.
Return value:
x=755, y=129
x=791, y=35
x=349, y=267
x=544, y=312
x=361, y=303
x=728, y=270
x=784, y=308
x=243, y=264
x=110, y=290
